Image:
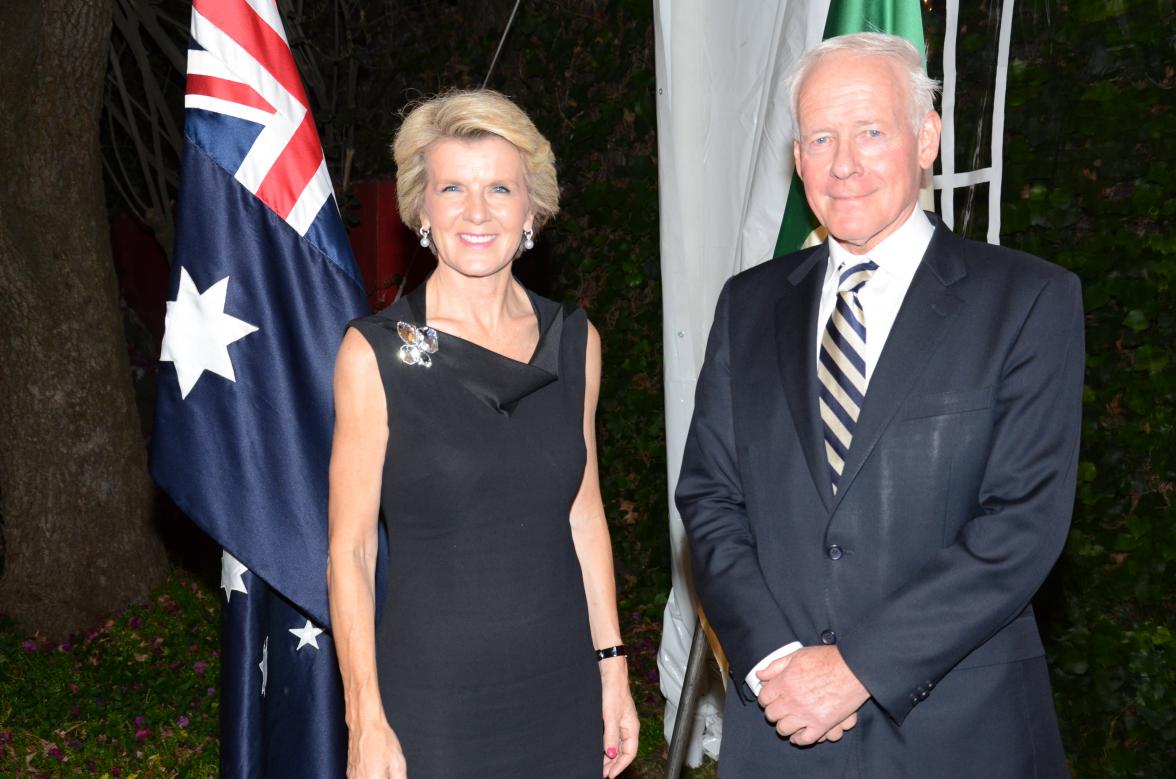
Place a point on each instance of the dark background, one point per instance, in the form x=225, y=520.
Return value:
x=1089, y=165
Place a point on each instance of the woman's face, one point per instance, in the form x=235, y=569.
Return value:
x=476, y=205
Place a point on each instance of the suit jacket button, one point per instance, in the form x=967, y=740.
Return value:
x=828, y=637
x=835, y=552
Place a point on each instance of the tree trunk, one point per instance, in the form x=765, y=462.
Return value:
x=75, y=497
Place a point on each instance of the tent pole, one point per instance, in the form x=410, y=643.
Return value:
x=684, y=719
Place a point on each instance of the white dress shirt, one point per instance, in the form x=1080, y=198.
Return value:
x=897, y=258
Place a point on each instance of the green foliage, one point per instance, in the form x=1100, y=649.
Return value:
x=605, y=249
x=1088, y=184
x=136, y=696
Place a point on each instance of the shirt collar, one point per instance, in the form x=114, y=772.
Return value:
x=901, y=251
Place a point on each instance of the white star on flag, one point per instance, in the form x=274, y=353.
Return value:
x=197, y=332
x=264, y=664
x=307, y=635
x=231, y=572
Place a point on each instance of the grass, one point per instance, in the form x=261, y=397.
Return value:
x=136, y=696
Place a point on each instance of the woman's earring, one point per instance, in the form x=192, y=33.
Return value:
x=528, y=239
x=424, y=237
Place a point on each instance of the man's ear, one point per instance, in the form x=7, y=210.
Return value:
x=928, y=138
x=796, y=158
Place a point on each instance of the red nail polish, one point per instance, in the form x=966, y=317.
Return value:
x=611, y=752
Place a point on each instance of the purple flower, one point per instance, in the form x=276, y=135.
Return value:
x=199, y=667
x=143, y=734
x=133, y=622
x=182, y=721
x=116, y=771
x=55, y=753
x=29, y=645
x=140, y=721
x=73, y=688
x=65, y=646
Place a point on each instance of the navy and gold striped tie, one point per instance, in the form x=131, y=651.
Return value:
x=841, y=367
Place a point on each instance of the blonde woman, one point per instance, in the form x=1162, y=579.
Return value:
x=466, y=413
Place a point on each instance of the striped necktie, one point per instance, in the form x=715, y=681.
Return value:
x=841, y=367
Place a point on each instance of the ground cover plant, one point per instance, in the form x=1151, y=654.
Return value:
x=137, y=696
x=134, y=696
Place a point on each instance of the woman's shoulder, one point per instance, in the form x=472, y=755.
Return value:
x=552, y=309
x=383, y=321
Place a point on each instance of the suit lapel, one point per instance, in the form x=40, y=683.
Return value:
x=796, y=339
x=929, y=304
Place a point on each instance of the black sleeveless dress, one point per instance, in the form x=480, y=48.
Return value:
x=485, y=660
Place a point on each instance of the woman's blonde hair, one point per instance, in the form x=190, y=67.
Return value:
x=470, y=115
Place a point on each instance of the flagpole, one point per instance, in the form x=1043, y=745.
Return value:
x=501, y=42
x=684, y=721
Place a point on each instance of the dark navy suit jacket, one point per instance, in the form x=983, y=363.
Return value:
x=954, y=504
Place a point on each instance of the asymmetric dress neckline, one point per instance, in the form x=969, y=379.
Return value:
x=497, y=380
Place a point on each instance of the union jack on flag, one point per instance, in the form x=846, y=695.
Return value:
x=263, y=286
x=243, y=69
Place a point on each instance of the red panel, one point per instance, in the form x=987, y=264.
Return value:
x=387, y=252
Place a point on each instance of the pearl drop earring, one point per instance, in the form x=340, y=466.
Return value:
x=425, y=237
x=528, y=239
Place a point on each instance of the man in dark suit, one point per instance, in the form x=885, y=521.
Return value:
x=880, y=470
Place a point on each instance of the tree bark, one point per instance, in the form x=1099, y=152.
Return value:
x=75, y=497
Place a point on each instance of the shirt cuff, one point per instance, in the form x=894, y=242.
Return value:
x=753, y=681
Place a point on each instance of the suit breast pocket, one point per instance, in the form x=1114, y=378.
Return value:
x=947, y=403
x=946, y=437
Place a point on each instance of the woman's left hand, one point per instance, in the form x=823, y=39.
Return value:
x=620, y=717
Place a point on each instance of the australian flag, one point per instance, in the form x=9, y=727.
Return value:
x=263, y=284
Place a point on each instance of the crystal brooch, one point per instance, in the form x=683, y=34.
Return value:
x=419, y=344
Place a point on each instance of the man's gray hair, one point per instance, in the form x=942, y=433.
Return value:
x=899, y=50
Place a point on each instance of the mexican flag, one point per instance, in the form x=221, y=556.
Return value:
x=898, y=17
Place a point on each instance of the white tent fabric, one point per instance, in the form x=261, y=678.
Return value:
x=724, y=167
x=722, y=125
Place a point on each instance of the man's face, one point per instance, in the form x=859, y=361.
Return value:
x=859, y=158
